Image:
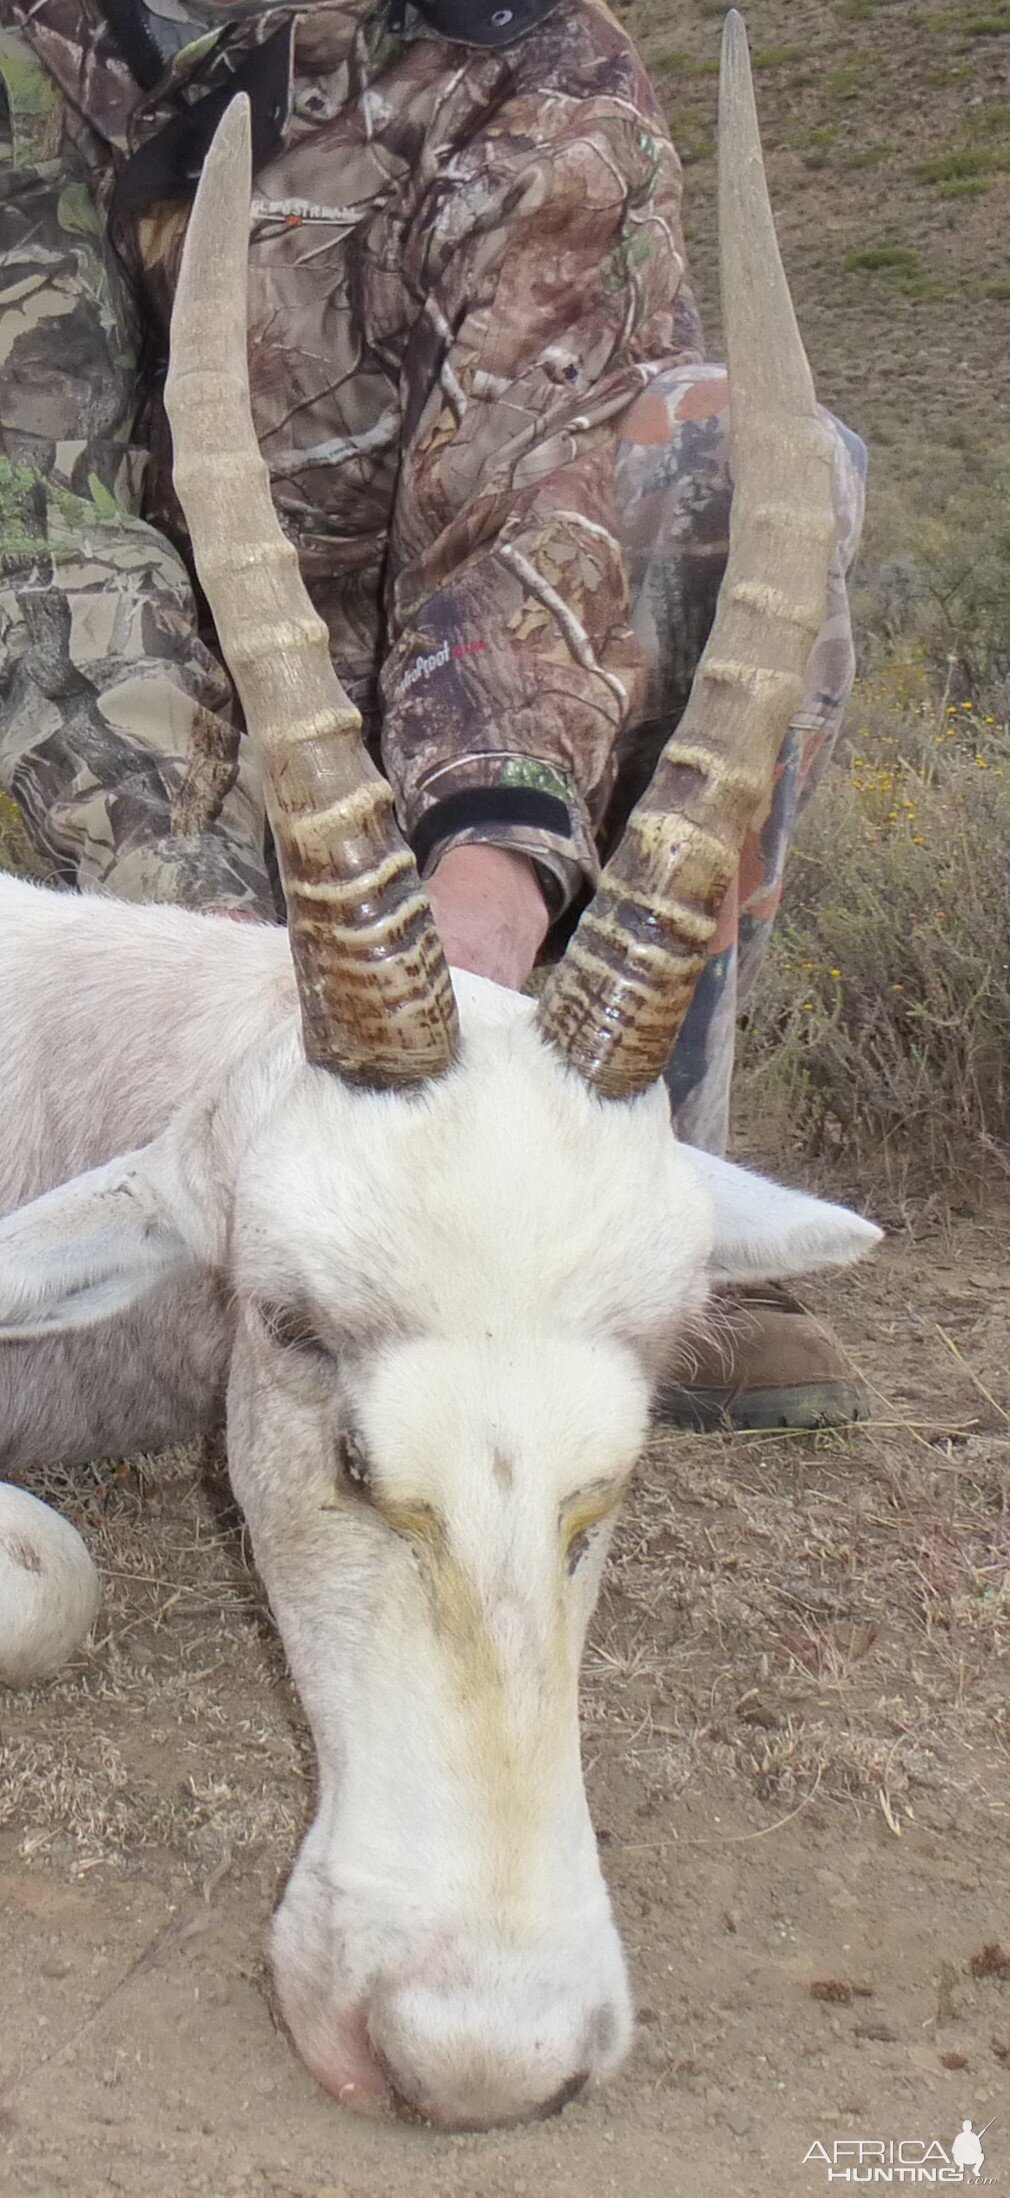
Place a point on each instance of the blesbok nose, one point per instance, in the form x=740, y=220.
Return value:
x=479, y=2055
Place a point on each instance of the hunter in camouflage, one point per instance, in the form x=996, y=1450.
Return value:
x=478, y=382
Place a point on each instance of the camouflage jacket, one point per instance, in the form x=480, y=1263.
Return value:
x=464, y=264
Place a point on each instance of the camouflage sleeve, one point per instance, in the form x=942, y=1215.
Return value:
x=550, y=277
x=117, y=739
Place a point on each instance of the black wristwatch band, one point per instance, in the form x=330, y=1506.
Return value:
x=478, y=806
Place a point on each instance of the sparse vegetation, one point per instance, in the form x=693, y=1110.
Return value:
x=882, y=1023
x=964, y=168
x=776, y=57
x=806, y=136
x=878, y=259
x=676, y=61
x=869, y=156
x=695, y=140
x=847, y=81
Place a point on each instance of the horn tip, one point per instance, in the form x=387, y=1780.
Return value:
x=735, y=48
x=234, y=131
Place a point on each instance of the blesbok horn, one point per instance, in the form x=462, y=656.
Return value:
x=376, y=996
x=617, y=1001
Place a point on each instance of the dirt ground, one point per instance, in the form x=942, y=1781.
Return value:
x=798, y=1751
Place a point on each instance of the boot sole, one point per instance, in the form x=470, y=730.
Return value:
x=758, y=1411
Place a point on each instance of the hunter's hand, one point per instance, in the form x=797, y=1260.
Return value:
x=490, y=912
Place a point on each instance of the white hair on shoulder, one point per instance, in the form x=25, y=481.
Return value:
x=49, y=1589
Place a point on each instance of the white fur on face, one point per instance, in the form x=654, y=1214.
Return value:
x=480, y=1328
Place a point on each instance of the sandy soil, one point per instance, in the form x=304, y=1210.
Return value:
x=797, y=1746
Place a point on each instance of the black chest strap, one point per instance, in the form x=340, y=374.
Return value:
x=169, y=164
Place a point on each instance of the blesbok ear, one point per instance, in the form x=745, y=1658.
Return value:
x=93, y=1246
x=764, y=1232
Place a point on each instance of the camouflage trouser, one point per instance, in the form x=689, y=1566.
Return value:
x=118, y=736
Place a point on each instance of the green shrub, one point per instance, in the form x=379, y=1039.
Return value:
x=845, y=82
x=807, y=137
x=964, y=163
x=870, y=156
x=992, y=120
x=923, y=289
x=676, y=61
x=964, y=187
x=881, y=259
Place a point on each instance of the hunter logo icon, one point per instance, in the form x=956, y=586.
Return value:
x=966, y=2150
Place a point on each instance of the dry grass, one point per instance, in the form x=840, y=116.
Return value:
x=880, y=1029
x=178, y=1732
x=810, y=1614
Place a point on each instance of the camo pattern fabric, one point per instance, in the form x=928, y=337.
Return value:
x=117, y=733
x=476, y=381
x=463, y=266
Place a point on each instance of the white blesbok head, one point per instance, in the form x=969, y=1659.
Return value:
x=458, y=1242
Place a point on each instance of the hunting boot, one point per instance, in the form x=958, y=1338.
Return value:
x=765, y=1363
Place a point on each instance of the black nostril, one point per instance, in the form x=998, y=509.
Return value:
x=569, y=2090
x=410, y=2108
x=411, y=2105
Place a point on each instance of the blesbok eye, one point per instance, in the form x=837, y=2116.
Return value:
x=576, y=1550
x=291, y=1328
x=354, y=1461
x=579, y=1520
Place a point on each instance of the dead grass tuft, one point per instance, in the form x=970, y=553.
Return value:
x=880, y=1029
